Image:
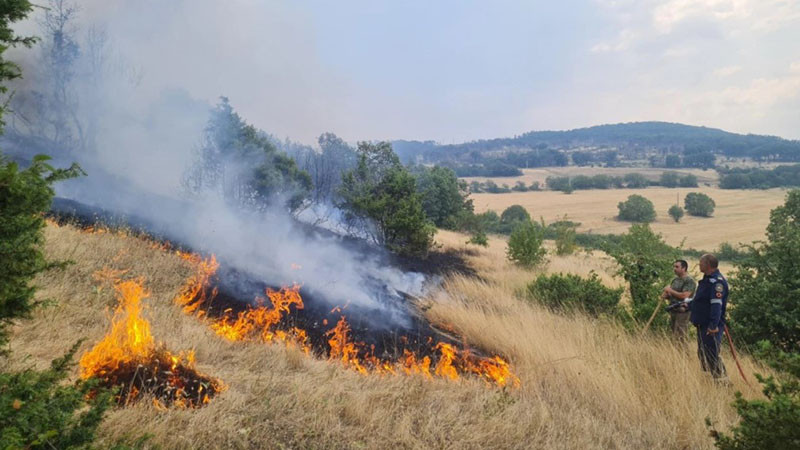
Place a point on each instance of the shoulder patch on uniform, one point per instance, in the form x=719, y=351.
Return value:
x=719, y=287
x=719, y=294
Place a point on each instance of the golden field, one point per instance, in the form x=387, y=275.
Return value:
x=540, y=174
x=584, y=383
x=741, y=216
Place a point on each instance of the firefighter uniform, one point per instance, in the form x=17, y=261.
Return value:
x=708, y=312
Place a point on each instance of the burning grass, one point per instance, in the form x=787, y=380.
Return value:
x=266, y=322
x=129, y=359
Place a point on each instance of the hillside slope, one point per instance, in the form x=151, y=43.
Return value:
x=584, y=384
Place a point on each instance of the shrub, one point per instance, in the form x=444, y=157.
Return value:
x=645, y=262
x=37, y=410
x=635, y=181
x=519, y=187
x=688, y=180
x=444, y=196
x=565, y=237
x=559, y=184
x=525, y=245
x=479, y=238
x=636, y=209
x=765, y=293
x=566, y=292
x=699, y=204
x=676, y=212
x=669, y=179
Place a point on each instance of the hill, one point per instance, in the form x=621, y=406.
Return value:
x=584, y=383
x=635, y=140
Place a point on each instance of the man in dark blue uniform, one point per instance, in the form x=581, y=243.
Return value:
x=708, y=315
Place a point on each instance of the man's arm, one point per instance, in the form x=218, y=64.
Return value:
x=683, y=295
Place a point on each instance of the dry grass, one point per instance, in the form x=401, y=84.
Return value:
x=740, y=216
x=584, y=384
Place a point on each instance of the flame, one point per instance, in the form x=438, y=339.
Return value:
x=128, y=356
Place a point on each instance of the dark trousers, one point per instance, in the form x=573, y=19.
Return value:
x=708, y=347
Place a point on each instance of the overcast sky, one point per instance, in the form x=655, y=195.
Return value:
x=460, y=70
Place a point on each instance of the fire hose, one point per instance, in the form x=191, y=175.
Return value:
x=735, y=358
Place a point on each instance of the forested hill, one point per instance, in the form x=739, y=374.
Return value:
x=636, y=139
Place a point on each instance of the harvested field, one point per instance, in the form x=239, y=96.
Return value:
x=741, y=216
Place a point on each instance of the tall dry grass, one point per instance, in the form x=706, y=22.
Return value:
x=585, y=384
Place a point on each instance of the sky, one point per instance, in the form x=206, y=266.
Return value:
x=454, y=71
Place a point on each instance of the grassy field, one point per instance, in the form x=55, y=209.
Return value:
x=741, y=216
x=584, y=383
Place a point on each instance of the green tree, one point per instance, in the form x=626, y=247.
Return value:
x=444, y=196
x=645, y=262
x=765, y=293
x=243, y=164
x=380, y=198
x=673, y=161
x=525, y=244
x=513, y=216
x=699, y=204
x=567, y=292
x=635, y=181
x=37, y=410
x=676, y=212
x=688, y=180
x=669, y=179
x=636, y=209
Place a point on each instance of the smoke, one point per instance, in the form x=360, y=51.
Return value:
x=135, y=139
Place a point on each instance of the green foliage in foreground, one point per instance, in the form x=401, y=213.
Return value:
x=568, y=292
x=39, y=410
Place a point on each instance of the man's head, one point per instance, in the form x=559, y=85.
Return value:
x=708, y=264
x=680, y=267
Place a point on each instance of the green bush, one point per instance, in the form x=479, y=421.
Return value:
x=688, y=180
x=669, y=179
x=511, y=217
x=765, y=288
x=444, y=197
x=566, y=292
x=636, y=209
x=635, y=181
x=645, y=262
x=773, y=423
x=676, y=212
x=38, y=410
x=565, y=236
x=525, y=245
x=699, y=204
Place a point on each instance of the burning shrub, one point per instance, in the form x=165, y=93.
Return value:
x=129, y=358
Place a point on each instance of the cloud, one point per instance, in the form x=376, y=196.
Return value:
x=727, y=71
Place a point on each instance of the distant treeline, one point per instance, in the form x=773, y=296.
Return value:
x=586, y=182
x=781, y=176
x=663, y=144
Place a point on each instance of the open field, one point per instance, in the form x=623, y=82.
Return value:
x=741, y=216
x=584, y=383
x=528, y=176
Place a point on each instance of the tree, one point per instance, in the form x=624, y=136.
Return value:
x=669, y=179
x=513, y=216
x=525, y=245
x=37, y=410
x=327, y=166
x=765, y=296
x=444, y=196
x=635, y=181
x=636, y=209
x=699, y=204
x=645, y=262
x=381, y=200
x=688, y=180
x=243, y=165
x=673, y=161
x=676, y=212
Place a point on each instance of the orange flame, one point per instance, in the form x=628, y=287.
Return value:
x=130, y=346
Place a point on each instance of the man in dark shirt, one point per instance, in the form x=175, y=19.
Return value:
x=708, y=315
